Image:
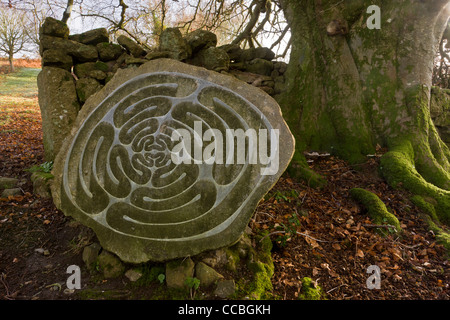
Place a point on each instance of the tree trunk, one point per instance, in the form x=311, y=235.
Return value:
x=11, y=63
x=351, y=88
x=68, y=11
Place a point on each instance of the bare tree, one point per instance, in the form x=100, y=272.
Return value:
x=13, y=33
x=68, y=11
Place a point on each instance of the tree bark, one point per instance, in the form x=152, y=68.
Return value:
x=351, y=88
x=11, y=64
x=68, y=11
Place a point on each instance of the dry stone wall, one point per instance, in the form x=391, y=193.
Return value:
x=74, y=67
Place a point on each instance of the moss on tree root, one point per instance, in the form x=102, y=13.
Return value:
x=398, y=168
x=432, y=220
x=299, y=169
x=376, y=208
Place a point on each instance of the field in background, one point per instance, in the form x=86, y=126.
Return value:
x=19, y=63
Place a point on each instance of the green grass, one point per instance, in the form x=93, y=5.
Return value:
x=22, y=83
x=19, y=88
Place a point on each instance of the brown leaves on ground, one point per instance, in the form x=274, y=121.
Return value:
x=321, y=234
x=334, y=241
x=20, y=138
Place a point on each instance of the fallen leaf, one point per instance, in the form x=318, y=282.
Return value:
x=360, y=253
x=336, y=246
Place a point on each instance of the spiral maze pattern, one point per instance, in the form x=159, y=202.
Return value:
x=119, y=172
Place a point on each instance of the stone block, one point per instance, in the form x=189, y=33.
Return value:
x=178, y=271
x=6, y=183
x=59, y=107
x=92, y=37
x=109, y=51
x=57, y=58
x=173, y=42
x=54, y=27
x=200, y=40
x=148, y=195
x=131, y=46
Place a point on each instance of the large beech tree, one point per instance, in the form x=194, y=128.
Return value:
x=351, y=87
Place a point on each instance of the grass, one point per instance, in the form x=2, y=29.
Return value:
x=20, y=84
x=19, y=88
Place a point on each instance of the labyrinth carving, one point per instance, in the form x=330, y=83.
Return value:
x=168, y=165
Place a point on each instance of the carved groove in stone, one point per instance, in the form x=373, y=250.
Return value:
x=120, y=165
x=116, y=173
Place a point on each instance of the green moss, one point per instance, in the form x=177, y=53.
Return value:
x=376, y=208
x=442, y=236
x=99, y=65
x=432, y=220
x=425, y=207
x=299, y=169
x=260, y=264
x=150, y=274
x=311, y=291
x=398, y=168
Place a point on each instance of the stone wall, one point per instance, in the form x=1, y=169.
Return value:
x=77, y=66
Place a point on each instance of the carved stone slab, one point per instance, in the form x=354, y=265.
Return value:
x=169, y=160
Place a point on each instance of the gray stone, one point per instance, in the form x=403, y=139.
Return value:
x=216, y=258
x=133, y=275
x=259, y=66
x=212, y=59
x=178, y=271
x=135, y=61
x=173, y=42
x=257, y=53
x=11, y=192
x=109, y=51
x=98, y=75
x=93, y=37
x=251, y=78
x=6, y=183
x=54, y=27
x=41, y=184
x=233, y=51
x=130, y=190
x=110, y=265
x=132, y=47
x=80, y=52
x=200, y=40
x=57, y=58
x=86, y=87
x=91, y=69
x=207, y=275
x=225, y=288
x=280, y=66
x=90, y=255
x=157, y=55
x=59, y=107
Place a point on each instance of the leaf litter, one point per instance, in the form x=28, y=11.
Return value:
x=322, y=234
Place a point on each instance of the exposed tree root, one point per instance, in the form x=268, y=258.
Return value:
x=376, y=208
x=299, y=169
x=398, y=167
